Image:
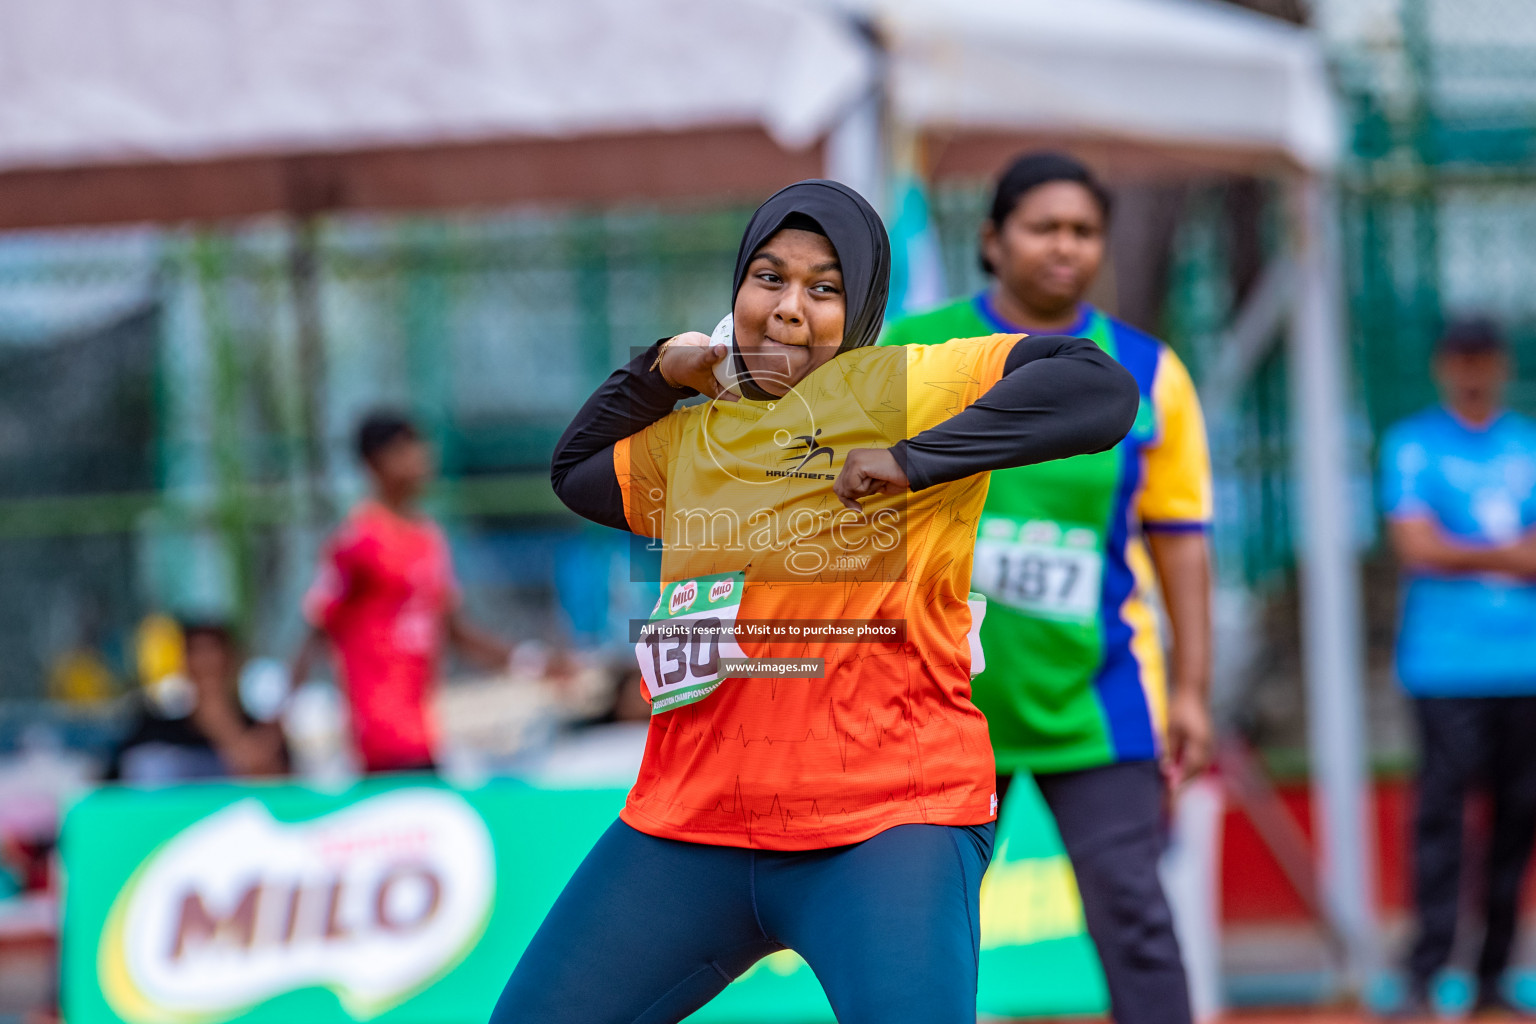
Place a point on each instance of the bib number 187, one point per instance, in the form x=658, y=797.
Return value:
x=1039, y=568
x=1033, y=577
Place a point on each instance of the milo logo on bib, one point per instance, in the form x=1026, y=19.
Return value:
x=683, y=597
x=720, y=590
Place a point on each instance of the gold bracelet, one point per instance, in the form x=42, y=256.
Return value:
x=661, y=348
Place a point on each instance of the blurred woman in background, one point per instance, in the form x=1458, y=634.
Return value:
x=1071, y=554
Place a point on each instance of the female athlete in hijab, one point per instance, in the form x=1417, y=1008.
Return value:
x=838, y=801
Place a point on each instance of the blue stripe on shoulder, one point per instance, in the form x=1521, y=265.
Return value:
x=1118, y=682
x=1139, y=353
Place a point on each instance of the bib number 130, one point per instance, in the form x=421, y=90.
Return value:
x=688, y=633
x=676, y=659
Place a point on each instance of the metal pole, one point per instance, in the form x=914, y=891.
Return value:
x=231, y=518
x=855, y=153
x=1330, y=587
x=303, y=271
x=856, y=146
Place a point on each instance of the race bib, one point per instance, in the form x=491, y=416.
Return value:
x=1040, y=567
x=978, y=605
x=689, y=631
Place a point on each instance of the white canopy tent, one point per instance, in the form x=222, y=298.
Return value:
x=165, y=110
x=193, y=110
x=1169, y=74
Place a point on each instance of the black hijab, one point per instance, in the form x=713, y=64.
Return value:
x=857, y=236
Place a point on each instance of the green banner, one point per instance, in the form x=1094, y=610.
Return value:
x=406, y=900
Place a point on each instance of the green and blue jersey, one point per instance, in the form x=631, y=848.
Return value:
x=1075, y=670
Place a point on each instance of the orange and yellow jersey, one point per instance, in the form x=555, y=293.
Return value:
x=888, y=734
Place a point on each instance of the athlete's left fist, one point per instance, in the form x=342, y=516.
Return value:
x=869, y=471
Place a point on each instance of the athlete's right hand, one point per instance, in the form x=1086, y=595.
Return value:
x=869, y=471
x=689, y=361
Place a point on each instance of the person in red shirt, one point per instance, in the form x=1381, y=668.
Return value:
x=385, y=601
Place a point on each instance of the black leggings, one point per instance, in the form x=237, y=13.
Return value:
x=648, y=930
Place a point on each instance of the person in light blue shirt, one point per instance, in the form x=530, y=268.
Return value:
x=1459, y=489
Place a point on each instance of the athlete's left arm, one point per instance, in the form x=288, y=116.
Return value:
x=1182, y=560
x=1058, y=397
x=1174, y=507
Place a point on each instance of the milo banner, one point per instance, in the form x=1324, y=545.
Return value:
x=404, y=900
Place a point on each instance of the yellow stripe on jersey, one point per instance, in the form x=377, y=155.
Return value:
x=1176, y=466
x=1146, y=640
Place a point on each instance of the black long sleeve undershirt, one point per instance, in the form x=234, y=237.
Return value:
x=1058, y=397
x=632, y=398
